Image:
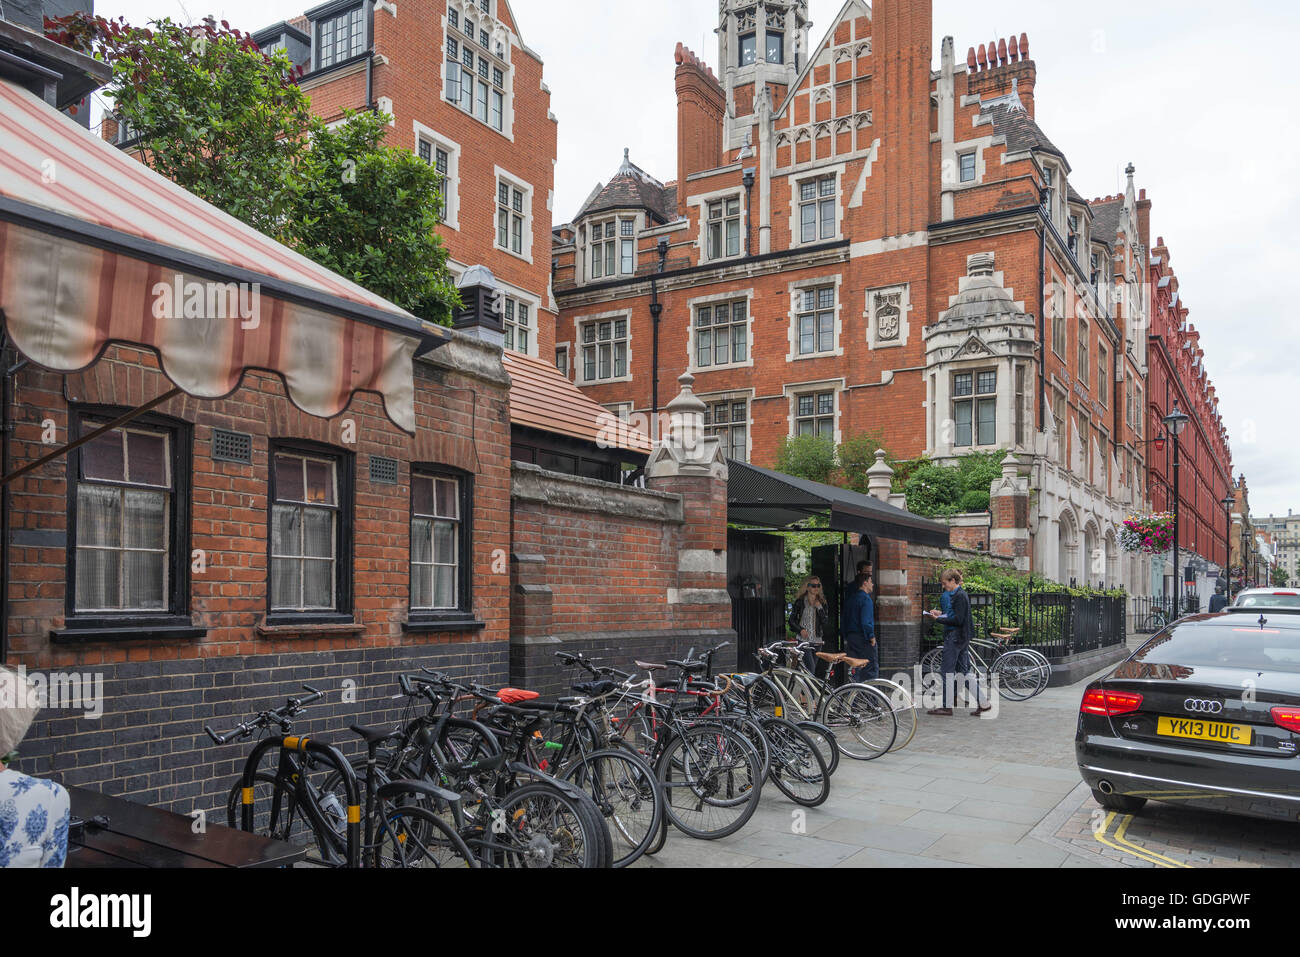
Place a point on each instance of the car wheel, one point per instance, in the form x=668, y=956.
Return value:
x=1119, y=802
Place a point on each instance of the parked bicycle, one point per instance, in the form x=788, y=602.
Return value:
x=1021, y=673
x=394, y=827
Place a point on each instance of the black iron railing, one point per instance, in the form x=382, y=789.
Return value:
x=1055, y=623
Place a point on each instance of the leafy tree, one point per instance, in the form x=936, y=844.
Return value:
x=810, y=457
x=1279, y=577
x=226, y=121
x=979, y=470
x=369, y=212
x=211, y=111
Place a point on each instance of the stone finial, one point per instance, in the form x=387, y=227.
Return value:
x=1010, y=467
x=686, y=449
x=979, y=264
x=686, y=415
x=879, y=478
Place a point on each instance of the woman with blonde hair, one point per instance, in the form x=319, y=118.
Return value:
x=34, y=813
x=808, y=616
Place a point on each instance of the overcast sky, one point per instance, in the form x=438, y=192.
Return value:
x=1202, y=103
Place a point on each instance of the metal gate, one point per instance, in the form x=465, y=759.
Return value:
x=756, y=583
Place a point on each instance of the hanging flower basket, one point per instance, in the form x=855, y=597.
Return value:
x=1152, y=534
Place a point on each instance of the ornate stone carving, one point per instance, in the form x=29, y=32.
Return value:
x=889, y=310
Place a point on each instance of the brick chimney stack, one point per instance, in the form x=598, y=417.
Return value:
x=902, y=32
x=997, y=68
x=701, y=107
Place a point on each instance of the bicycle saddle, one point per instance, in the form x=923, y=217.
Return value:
x=745, y=680
x=831, y=655
x=854, y=662
x=649, y=665
x=371, y=735
x=690, y=667
x=594, y=689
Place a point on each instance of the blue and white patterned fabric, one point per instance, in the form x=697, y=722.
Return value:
x=34, y=815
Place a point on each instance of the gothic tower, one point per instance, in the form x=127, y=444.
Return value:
x=761, y=43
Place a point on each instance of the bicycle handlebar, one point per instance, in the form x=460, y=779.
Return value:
x=280, y=716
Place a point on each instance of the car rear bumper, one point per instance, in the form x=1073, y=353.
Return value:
x=1114, y=763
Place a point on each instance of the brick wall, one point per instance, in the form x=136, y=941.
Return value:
x=602, y=568
x=462, y=419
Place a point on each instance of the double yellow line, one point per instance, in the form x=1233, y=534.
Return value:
x=1125, y=846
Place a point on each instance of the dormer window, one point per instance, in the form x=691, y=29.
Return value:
x=613, y=248
x=1073, y=240
x=340, y=37
x=723, y=228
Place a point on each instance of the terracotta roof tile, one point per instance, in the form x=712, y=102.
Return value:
x=541, y=398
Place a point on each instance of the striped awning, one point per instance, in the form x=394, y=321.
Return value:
x=96, y=248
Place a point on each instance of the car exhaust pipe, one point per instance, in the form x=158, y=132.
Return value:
x=1105, y=787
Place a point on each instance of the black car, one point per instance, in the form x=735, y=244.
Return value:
x=1206, y=714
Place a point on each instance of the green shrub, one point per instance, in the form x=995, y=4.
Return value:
x=810, y=457
x=933, y=490
x=974, y=500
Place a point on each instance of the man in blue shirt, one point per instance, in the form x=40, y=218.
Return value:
x=859, y=628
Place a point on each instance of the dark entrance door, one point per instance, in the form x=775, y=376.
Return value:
x=756, y=583
x=836, y=565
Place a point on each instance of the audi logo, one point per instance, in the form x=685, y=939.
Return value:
x=1203, y=706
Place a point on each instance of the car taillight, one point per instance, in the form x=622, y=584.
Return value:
x=1288, y=718
x=1110, y=703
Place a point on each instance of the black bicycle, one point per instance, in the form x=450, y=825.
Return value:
x=299, y=803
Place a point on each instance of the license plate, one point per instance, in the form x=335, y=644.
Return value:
x=1205, y=730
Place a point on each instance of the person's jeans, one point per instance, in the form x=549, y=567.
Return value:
x=859, y=646
x=956, y=668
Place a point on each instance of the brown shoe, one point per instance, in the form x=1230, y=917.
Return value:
x=942, y=712
x=979, y=711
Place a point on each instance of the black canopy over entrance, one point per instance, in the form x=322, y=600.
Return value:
x=762, y=498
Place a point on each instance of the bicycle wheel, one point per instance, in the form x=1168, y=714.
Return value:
x=862, y=720
x=1044, y=669
x=628, y=796
x=903, y=706
x=539, y=825
x=798, y=769
x=409, y=836
x=1018, y=674
x=753, y=734
x=824, y=738
x=711, y=781
x=291, y=823
x=932, y=662
x=764, y=698
x=800, y=695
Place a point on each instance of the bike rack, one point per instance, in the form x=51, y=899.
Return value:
x=306, y=746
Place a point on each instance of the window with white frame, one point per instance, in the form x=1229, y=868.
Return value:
x=1103, y=375
x=124, y=511
x=613, y=248
x=1062, y=427
x=722, y=228
x=721, y=333
x=1058, y=322
x=1085, y=436
x=966, y=167
x=562, y=359
x=1082, y=372
x=974, y=408
x=340, y=37
x=620, y=410
x=306, y=523
x=815, y=321
x=817, y=209
x=476, y=73
x=728, y=419
x=604, y=349
x=439, y=156
x=518, y=320
x=748, y=49
x=511, y=217
x=439, y=543
x=814, y=414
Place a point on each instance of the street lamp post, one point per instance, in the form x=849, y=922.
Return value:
x=1175, y=422
x=1227, y=543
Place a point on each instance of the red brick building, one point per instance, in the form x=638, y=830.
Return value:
x=855, y=241
x=1178, y=376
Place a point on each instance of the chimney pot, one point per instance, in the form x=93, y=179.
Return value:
x=1024, y=46
x=1002, y=51
x=1015, y=50
x=982, y=57
x=993, y=53
x=970, y=60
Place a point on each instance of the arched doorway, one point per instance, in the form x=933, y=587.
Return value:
x=1067, y=547
x=1094, y=561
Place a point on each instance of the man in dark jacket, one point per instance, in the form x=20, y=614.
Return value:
x=959, y=630
x=859, y=628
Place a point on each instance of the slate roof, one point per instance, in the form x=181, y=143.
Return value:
x=1020, y=130
x=633, y=188
x=1105, y=220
